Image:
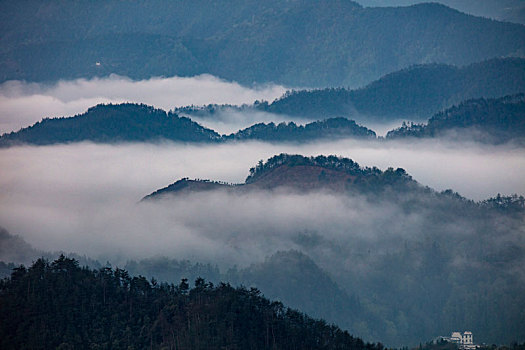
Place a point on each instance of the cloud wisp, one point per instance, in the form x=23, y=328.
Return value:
x=22, y=103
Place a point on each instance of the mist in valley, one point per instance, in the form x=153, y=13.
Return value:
x=359, y=254
x=84, y=197
x=24, y=103
x=396, y=257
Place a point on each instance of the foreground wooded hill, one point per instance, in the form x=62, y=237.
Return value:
x=295, y=43
x=61, y=305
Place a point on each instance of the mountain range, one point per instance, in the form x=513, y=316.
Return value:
x=486, y=120
x=385, y=257
x=491, y=121
x=140, y=123
x=504, y=10
x=295, y=43
x=415, y=93
x=383, y=287
x=376, y=280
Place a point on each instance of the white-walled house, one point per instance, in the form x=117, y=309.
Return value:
x=464, y=340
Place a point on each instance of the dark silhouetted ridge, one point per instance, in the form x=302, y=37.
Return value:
x=112, y=123
x=341, y=43
x=333, y=128
x=141, y=123
x=488, y=120
x=416, y=93
x=60, y=305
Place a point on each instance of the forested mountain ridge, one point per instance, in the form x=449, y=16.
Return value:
x=332, y=173
x=110, y=124
x=299, y=173
x=66, y=306
x=504, y=10
x=429, y=261
x=140, y=123
x=288, y=276
x=488, y=120
x=406, y=262
x=414, y=93
x=333, y=128
x=341, y=43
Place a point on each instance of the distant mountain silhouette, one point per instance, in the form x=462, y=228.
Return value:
x=141, y=123
x=110, y=124
x=414, y=93
x=295, y=43
x=333, y=128
x=487, y=120
x=503, y=10
x=483, y=120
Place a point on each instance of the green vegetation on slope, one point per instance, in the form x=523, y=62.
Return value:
x=295, y=43
x=60, y=305
x=414, y=93
x=333, y=128
x=141, y=123
x=411, y=262
x=487, y=120
x=111, y=124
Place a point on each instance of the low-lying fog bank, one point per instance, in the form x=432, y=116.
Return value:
x=83, y=197
x=23, y=103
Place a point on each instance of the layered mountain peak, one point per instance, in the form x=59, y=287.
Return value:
x=111, y=123
x=303, y=174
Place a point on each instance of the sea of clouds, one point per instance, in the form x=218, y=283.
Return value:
x=84, y=197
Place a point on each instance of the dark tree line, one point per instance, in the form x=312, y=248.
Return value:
x=365, y=179
x=130, y=122
x=415, y=93
x=60, y=305
x=329, y=128
x=489, y=120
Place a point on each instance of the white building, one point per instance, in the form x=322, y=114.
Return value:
x=464, y=340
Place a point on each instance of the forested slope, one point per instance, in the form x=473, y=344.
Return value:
x=486, y=120
x=61, y=305
x=295, y=43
